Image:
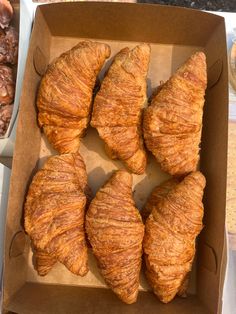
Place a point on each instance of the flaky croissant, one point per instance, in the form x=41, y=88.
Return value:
x=115, y=231
x=54, y=214
x=65, y=94
x=118, y=107
x=170, y=233
x=173, y=122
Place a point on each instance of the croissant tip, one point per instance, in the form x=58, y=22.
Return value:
x=107, y=49
x=129, y=299
x=145, y=46
x=199, y=177
x=199, y=55
x=124, y=176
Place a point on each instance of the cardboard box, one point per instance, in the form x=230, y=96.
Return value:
x=174, y=33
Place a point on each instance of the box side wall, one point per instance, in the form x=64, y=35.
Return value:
x=130, y=22
x=214, y=166
x=76, y=300
x=24, y=162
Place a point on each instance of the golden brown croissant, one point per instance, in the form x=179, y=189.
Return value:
x=157, y=195
x=115, y=231
x=54, y=214
x=65, y=94
x=118, y=107
x=170, y=233
x=173, y=122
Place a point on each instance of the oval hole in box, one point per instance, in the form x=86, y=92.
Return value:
x=214, y=73
x=40, y=64
x=18, y=243
x=208, y=258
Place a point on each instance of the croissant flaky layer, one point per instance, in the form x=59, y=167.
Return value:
x=173, y=122
x=44, y=262
x=118, y=107
x=65, y=94
x=170, y=233
x=54, y=214
x=115, y=231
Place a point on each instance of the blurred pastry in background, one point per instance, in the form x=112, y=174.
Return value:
x=8, y=57
x=5, y=117
x=8, y=45
x=7, y=85
x=6, y=13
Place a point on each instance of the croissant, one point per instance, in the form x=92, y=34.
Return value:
x=65, y=94
x=170, y=233
x=54, y=214
x=115, y=231
x=118, y=107
x=173, y=122
x=157, y=195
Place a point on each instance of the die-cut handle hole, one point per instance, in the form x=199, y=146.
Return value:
x=208, y=258
x=214, y=73
x=39, y=60
x=18, y=244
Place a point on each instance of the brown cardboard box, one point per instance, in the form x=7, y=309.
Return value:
x=174, y=34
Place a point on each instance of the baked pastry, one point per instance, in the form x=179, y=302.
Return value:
x=5, y=118
x=157, y=195
x=115, y=231
x=118, y=107
x=170, y=233
x=6, y=13
x=65, y=94
x=54, y=214
x=7, y=85
x=173, y=122
x=8, y=45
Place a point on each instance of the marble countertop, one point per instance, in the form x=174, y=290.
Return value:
x=213, y=5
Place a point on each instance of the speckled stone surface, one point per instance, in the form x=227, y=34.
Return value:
x=214, y=5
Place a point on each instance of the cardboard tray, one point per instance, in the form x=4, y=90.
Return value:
x=174, y=33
